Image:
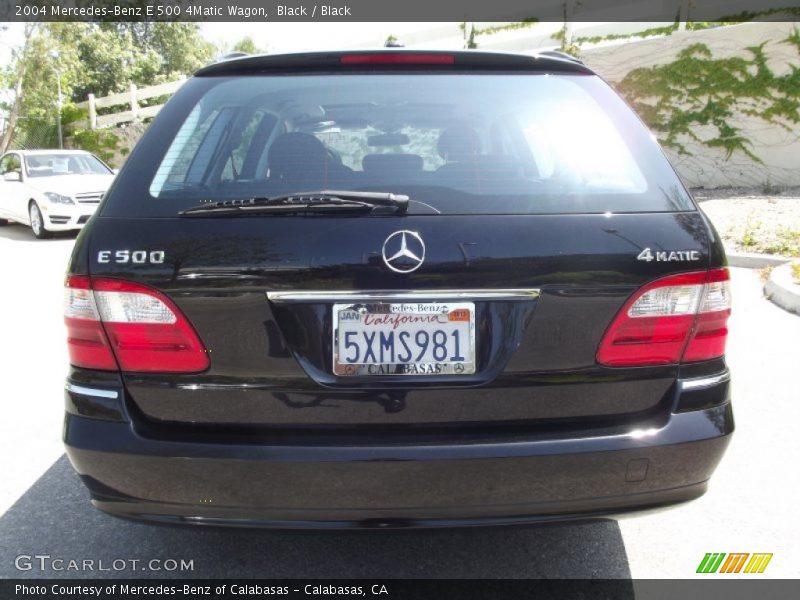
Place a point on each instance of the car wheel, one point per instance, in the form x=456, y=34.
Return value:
x=37, y=222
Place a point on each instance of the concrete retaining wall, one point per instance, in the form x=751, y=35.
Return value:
x=778, y=148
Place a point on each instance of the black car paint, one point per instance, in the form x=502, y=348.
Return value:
x=540, y=431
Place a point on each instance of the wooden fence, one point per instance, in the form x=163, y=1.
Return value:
x=129, y=99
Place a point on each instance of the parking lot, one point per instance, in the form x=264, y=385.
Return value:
x=750, y=507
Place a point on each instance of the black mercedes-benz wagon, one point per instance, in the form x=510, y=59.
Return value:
x=396, y=288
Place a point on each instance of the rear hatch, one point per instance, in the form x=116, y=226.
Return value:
x=539, y=206
x=271, y=361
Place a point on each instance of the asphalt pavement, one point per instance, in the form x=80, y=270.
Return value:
x=750, y=506
x=54, y=517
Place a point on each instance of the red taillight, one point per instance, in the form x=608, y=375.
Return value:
x=397, y=59
x=114, y=324
x=86, y=340
x=681, y=318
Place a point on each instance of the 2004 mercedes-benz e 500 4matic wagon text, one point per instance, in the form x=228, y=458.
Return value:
x=396, y=288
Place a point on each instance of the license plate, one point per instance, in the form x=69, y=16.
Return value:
x=404, y=338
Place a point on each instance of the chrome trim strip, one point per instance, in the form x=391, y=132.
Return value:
x=85, y=391
x=218, y=275
x=700, y=383
x=224, y=386
x=394, y=295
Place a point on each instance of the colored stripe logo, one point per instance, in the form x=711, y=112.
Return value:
x=714, y=562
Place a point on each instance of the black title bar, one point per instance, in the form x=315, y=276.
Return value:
x=398, y=10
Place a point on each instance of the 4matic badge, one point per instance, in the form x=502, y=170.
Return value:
x=668, y=255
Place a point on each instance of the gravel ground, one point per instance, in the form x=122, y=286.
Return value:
x=750, y=221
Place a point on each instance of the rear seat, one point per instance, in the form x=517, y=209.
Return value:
x=300, y=160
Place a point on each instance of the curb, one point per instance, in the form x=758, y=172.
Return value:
x=782, y=290
x=750, y=260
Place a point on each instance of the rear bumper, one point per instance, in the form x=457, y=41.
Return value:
x=488, y=482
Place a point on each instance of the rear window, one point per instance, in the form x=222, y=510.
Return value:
x=464, y=143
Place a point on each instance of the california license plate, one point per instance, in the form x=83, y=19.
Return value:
x=404, y=338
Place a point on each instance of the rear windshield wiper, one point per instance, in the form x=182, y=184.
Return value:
x=333, y=201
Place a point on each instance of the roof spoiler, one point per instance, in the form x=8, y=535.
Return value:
x=229, y=56
x=560, y=54
x=549, y=61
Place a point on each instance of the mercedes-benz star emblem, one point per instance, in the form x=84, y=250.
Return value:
x=404, y=251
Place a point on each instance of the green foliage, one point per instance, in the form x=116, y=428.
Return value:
x=103, y=143
x=786, y=242
x=782, y=240
x=796, y=272
x=652, y=31
x=471, y=43
x=114, y=55
x=35, y=133
x=746, y=16
x=700, y=25
x=246, y=44
x=507, y=27
x=750, y=235
x=572, y=48
x=743, y=17
x=491, y=30
x=99, y=58
x=698, y=90
x=31, y=66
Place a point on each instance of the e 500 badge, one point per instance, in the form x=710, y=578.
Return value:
x=136, y=257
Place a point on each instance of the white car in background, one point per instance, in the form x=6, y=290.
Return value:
x=51, y=190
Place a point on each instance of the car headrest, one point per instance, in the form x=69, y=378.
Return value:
x=297, y=155
x=459, y=143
